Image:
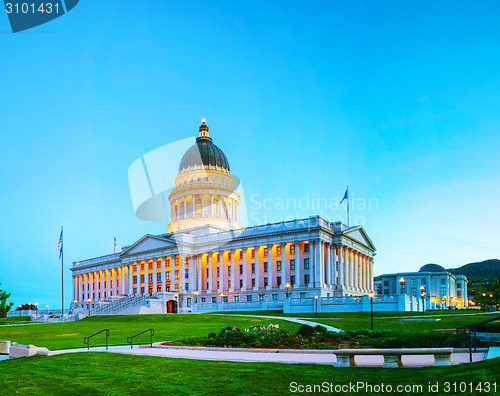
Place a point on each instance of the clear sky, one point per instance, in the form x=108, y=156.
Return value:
x=400, y=100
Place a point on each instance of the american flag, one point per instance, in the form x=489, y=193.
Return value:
x=60, y=246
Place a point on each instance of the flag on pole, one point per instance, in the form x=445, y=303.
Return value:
x=60, y=246
x=115, y=241
x=346, y=195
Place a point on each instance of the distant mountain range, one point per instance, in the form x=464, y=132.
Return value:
x=484, y=270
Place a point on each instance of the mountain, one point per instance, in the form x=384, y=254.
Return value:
x=487, y=269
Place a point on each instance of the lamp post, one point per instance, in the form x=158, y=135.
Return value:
x=422, y=294
x=402, y=283
x=196, y=297
x=316, y=302
x=371, y=294
x=88, y=304
x=287, y=286
x=176, y=296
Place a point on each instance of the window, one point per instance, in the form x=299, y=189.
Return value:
x=206, y=179
x=306, y=263
x=237, y=299
x=386, y=283
x=176, y=274
x=167, y=275
x=214, y=300
x=265, y=267
x=228, y=271
x=241, y=254
x=241, y=269
x=253, y=282
x=292, y=248
x=443, y=291
x=402, y=290
x=150, y=266
x=150, y=290
x=292, y=279
x=253, y=253
x=135, y=278
x=275, y=297
x=265, y=282
x=158, y=276
x=459, y=293
x=158, y=288
x=306, y=247
x=443, y=281
x=412, y=291
x=459, y=285
x=303, y=295
x=142, y=267
x=203, y=299
x=225, y=299
x=218, y=285
x=228, y=256
x=186, y=273
x=292, y=265
x=142, y=278
x=306, y=279
x=135, y=290
x=150, y=278
x=278, y=280
x=142, y=289
x=241, y=283
x=158, y=264
x=262, y=297
x=135, y=267
x=412, y=282
x=249, y=298
x=253, y=268
x=278, y=250
x=218, y=271
x=265, y=252
x=278, y=265
x=167, y=288
x=188, y=302
x=186, y=286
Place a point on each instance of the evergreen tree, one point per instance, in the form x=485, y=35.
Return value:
x=4, y=306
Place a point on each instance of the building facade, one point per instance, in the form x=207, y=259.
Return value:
x=207, y=258
x=442, y=289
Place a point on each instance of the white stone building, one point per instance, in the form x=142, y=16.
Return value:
x=207, y=260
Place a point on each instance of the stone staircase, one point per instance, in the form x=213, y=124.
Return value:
x=117, y=306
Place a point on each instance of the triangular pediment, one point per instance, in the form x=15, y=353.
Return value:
x=149, y=243
x=360, y=235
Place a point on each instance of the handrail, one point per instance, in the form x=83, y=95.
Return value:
x=130, y=340
x=472, y=329
x=86, y=340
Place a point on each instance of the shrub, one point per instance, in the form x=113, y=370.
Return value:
x=307, y=331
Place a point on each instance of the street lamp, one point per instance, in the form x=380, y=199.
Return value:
x=402, y=283
x=371, y=294
x=196, y=297
x=176, y=296
x=316, y=301
x=88, y=304
x=287, y=286
x=422, y=293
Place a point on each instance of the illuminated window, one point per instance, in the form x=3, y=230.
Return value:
x=292, y=248
x=278, y=250
x=278, y=265
x=253, y=253
x=150, y=266
x=158, y=276
x=306, y=247
x=292, y=265
x=265, y=252
x=142, y=267
x=142, y=278
x=150, y=277
x=177, y=274
x=167, y=275
x=135, y=278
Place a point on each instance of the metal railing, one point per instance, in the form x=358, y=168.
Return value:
x=130, y=340
x=470, y=332
x=86, y=340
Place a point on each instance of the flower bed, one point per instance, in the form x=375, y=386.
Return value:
x=318, y=337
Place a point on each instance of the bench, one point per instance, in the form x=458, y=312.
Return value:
x=20, y=350
x=392, y=357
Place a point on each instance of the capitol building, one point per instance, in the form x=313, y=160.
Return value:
x=207, y=261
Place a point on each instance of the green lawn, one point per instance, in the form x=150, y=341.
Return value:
x=167, y=328
x=114, y=374
x=14, y=320
x=391, y=320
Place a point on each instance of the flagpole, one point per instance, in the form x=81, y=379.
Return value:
x=62, y=277
x=347, y=206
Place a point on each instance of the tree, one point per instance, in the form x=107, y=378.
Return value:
x=4, y=306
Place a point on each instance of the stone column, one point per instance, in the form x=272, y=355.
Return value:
x=210, y=273
x=182, y=273
x=130, y=279
x=172, y=273
x=162, y=279
x=270, y=269
x=233, y=271
x=121, y=290
x=371, y=273
x=211, y=205
x=155, y=282
x=199, y=259
x=284, y=269
x=257, y=268
x=244, y=263
x=316, y=271
x=108, y=283
x=328, y=264
x=298, y=271
x=222, y=276
x=185, y=209
x=341, y=264
x=334, y=265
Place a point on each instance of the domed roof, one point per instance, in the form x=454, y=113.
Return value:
x=431, y=268
x=204, y=153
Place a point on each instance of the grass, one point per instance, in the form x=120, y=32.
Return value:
x=14, y=320
x=102, y=373
x=167, y=328
x=391, y=320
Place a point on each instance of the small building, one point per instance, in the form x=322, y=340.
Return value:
x=442, y=289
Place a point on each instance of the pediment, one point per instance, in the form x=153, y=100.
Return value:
x=359, y=235
x=149, y=243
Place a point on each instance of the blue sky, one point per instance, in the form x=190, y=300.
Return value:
x=397, y=99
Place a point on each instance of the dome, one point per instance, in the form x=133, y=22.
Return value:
x=204, y=153
x=432, y=268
